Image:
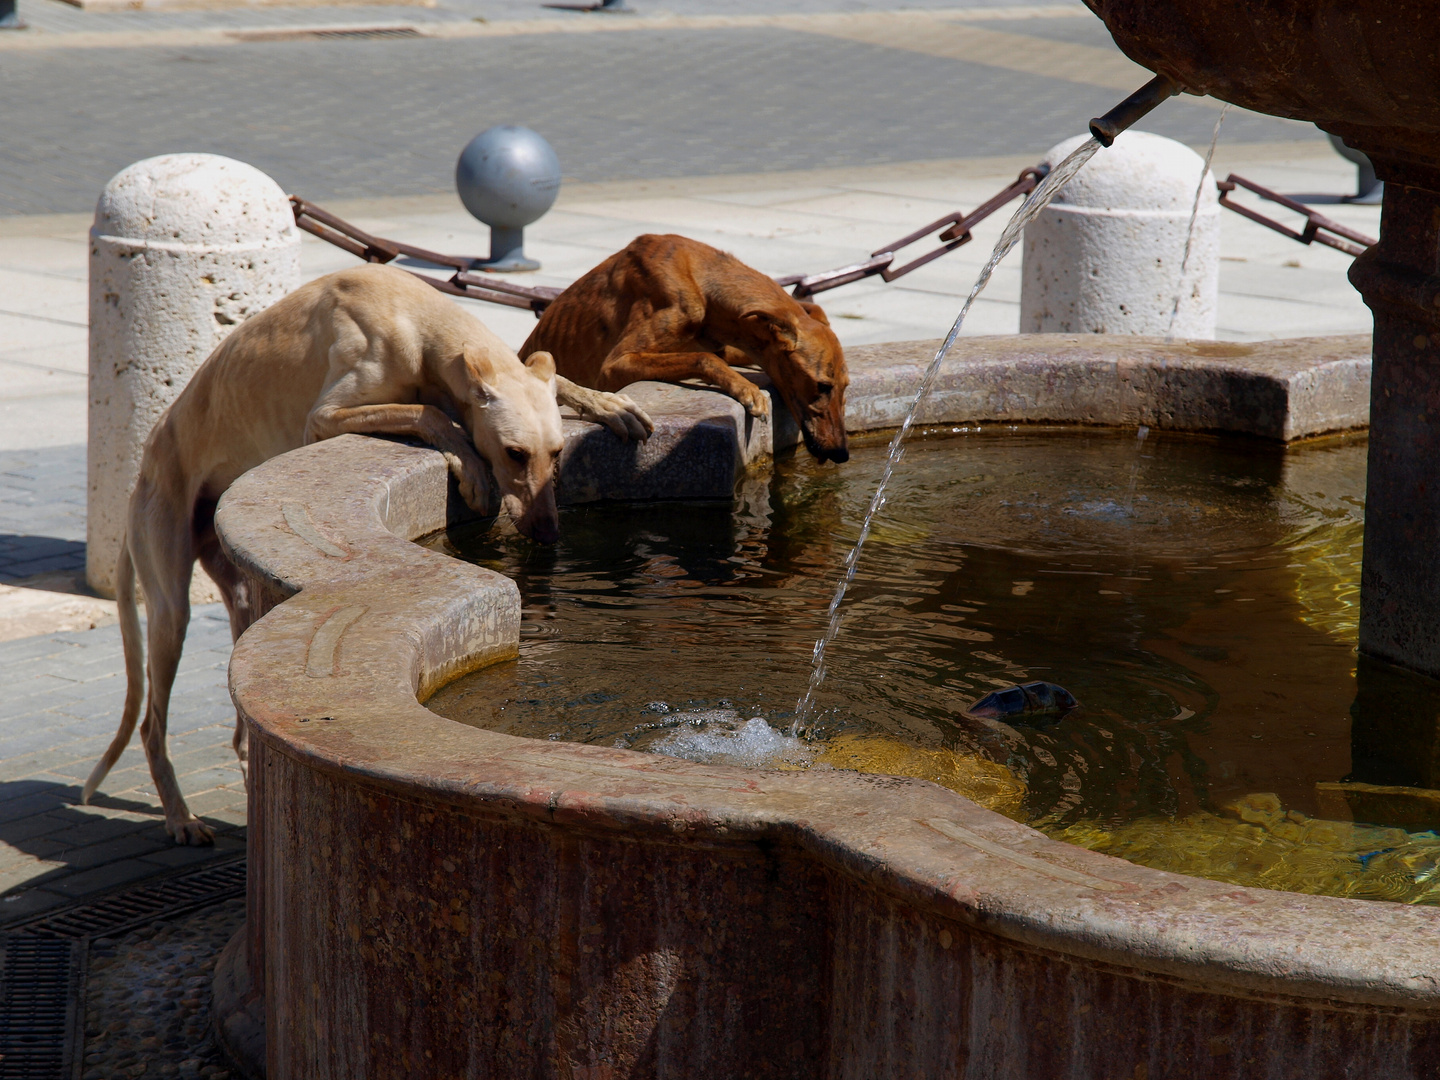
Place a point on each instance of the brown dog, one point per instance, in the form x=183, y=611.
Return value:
x=669, y=308
x=371, y=350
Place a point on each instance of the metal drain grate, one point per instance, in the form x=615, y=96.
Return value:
x=42, y=983
x=43, y=961
x=121, y=912
x=316, y=32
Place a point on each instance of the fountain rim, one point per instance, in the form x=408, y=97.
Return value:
x=334, y=676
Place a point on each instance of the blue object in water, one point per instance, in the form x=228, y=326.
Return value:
x=1032, y=703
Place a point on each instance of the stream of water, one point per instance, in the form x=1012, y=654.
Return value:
x=1190, y=229
x=1029, y=210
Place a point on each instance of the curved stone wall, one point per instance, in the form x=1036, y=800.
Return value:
x=430, y=899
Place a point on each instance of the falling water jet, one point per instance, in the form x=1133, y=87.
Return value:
x=1103, y=132
x=1037, y=201
x=1190, y=229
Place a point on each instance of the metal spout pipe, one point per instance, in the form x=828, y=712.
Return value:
x=1106, y=128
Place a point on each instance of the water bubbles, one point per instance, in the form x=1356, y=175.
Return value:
x=720, y=737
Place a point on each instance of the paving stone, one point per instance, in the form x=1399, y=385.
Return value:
x=32, y=765
x=94, y=829
x=87, y=882
x=20, y=905
x=114, y=848
x=30, y=805
x=372, y=126
x=185, y=855
x=207, y=802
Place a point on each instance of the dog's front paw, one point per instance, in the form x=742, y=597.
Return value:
x=617, y=412
x=473, y=481
x=755, y=400
x=190, y=831
x=622, y=416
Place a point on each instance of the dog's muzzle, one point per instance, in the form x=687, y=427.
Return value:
x=824, y=444
x=541, y=523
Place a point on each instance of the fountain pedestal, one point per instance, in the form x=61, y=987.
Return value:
x=1400, y=281
x=1363, y=71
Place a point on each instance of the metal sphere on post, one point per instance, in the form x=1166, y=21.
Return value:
x=507, y=177
x=184, y=248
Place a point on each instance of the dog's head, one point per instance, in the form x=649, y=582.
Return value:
x=804, y=360
x=515, y=425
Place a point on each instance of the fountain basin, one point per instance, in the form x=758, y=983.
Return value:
x=428, y=898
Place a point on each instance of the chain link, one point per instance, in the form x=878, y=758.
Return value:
x=953, y=230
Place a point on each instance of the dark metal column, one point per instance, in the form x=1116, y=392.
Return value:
x=1400, y=281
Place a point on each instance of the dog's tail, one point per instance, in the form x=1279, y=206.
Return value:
x=134, y=669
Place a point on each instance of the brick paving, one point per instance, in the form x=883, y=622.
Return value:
x=42, y=512
x=60, y=700
x=59, y=707
x=344, y=119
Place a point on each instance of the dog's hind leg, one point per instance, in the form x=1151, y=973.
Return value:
x=235, y=591
x=163, y=564
x=134, y=670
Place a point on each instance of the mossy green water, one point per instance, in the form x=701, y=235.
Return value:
x=1197, y=595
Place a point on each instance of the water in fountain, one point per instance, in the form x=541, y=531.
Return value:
x=1029, y=210
x=1190, y=229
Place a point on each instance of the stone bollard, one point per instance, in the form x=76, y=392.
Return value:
x=184, y=248
x=1105, y=256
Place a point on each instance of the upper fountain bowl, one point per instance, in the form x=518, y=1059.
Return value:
x=1361, y=69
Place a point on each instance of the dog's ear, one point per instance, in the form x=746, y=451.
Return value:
x=815, y=311
x=480, y=394
x=541, y=365
x=777, y=327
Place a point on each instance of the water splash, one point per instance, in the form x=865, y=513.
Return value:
x=719, y=737
x=1190, y=229
x=1038, y=199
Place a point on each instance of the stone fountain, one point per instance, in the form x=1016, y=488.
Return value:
x=428, y=899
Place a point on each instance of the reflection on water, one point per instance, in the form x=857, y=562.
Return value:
x=1198, y=596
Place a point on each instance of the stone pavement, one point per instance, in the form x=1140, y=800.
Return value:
x=60, y=705
x=42, y=512
x=798, y=145
x=627, y=98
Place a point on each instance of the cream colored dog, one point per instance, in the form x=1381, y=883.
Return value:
x=371, y=350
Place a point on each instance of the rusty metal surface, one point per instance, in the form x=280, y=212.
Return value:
x=1362, y=69
x=1318, y=228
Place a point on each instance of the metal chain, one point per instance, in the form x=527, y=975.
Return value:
x=954, y=230
x=377, y=249
x=1316, y=225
